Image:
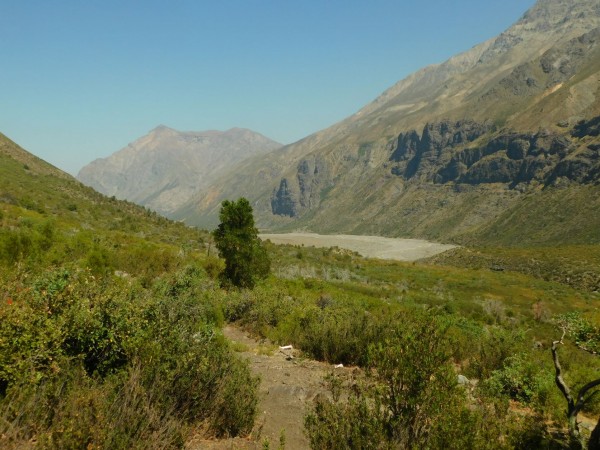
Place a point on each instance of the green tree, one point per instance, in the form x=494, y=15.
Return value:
x=236, y=238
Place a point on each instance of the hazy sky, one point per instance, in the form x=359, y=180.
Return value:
x=80, y=79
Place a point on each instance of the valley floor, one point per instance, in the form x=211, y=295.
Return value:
x=367, y=246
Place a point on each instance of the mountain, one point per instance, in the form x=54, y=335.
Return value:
x=454, y=151
x=166, y=167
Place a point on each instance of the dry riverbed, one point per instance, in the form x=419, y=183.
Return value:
x=367, y=246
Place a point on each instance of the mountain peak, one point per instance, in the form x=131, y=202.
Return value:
x=162, y=169
x=550, y=13
x=162, y=129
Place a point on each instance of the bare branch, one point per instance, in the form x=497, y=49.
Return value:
x=580, y=400
x=560, y=382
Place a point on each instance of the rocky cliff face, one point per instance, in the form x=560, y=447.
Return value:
x=417, y=156
x=163, y=169
x=313, y=175
x=451, y=155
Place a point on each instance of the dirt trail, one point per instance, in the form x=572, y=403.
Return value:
x=289, y=383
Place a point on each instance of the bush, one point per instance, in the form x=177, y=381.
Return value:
x=352, y=424
x=336, y=333
x=99, y=261
x=105, y=363
x=495, y=346
x=410, y=399
x=213, y=267
x=521, y=379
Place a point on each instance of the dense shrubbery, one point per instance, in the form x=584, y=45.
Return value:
x=411, y=399
x=108, y=363
x=109, y=330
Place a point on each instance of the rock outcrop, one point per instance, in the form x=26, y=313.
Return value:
x=312, y=178
x=283, y=200
x=447, y=154
x=417, y=156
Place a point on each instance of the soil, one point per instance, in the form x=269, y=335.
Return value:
x=289, y=384
x=367, y=246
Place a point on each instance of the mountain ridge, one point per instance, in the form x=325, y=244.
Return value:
x=540, y=74
x=163, y=168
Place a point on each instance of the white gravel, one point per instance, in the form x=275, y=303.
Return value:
x=368, y=246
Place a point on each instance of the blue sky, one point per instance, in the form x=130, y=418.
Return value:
x=82, y=79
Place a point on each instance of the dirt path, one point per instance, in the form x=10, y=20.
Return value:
x=288, y=384
x=368, y=246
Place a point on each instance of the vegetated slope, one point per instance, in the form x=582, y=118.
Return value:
x=166, y=167
x=336, y=306
x=108, y=321
x=33, y=190
x=135, y=359
x=453, y=150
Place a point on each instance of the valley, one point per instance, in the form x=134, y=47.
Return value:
x=447, y=295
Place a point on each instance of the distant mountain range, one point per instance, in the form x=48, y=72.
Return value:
x=499, y=144
x=455, y=151
x=163, y=169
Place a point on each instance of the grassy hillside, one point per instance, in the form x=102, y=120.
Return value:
x=574, y=265
x=47, y=215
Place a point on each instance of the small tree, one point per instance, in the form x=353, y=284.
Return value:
x=587, y=337
x=236, y=238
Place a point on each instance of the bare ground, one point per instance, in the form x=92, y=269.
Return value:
x=289, y=384
x=367, y=246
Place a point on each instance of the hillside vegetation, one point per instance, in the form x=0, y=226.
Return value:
x=109, y=326
x=110, y=336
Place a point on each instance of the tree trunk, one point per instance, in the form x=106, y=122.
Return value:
x=594, y=442
x=574, y=405
x=576, y=440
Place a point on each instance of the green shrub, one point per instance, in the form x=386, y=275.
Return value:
x=352, y=424
x=336, y=334
x=410, y=400
x=99, y=261
x=213, y=267
x=521, y=379
x=105, y=363
x=494, y=347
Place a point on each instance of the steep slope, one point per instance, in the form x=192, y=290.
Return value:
x=166, y=167
x=78, y=219
x=446, y=151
